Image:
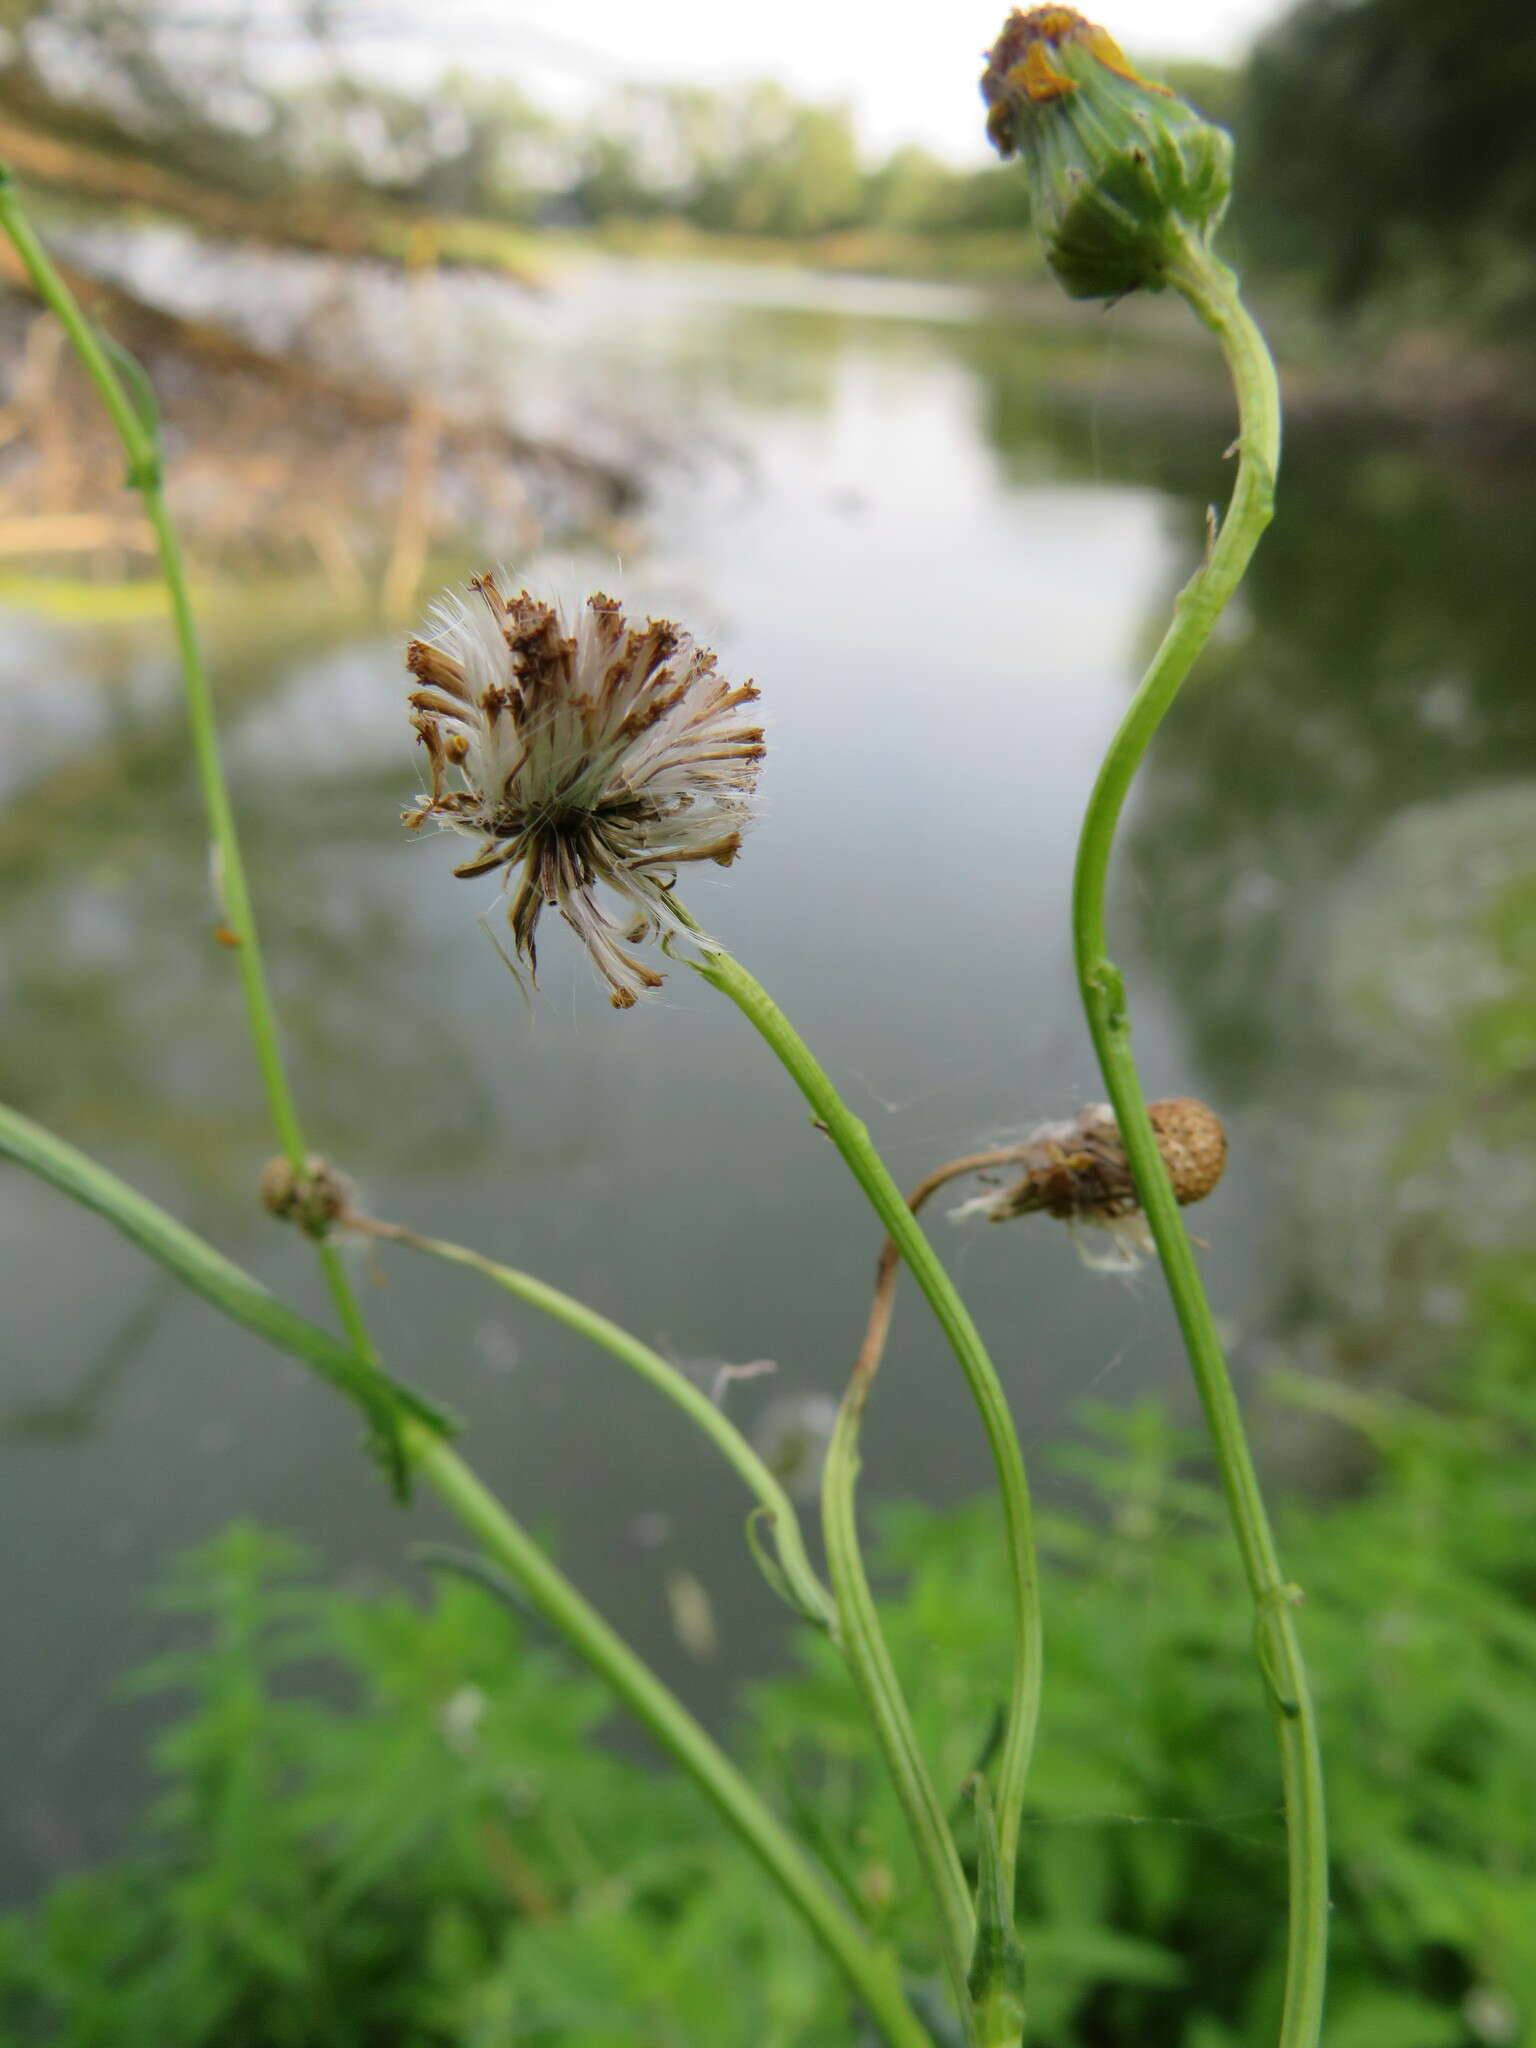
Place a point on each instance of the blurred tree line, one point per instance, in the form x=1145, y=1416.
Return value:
x=1383, y=142
x=128, y=76
x=1388, y=142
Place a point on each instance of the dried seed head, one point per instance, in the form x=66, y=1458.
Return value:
x=1078, y=1170
x=1120, y=170
x=313, y=1196
x=1193, y=1142
x=603, y=757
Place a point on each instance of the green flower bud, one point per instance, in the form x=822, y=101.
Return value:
x=1122, y=173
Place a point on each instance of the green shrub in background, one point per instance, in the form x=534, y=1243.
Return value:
x=385, y=1822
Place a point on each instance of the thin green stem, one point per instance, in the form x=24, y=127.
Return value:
x=870, y=1973
x=131, y=413
x=869, y=1659
x=872, y=1976
x=869, y=1170
x=138, y=438
x=854, y=1616
x=1211, y=290
x=857, y=1624
x=997, y=1975
x=208, y=1273
x=807, y=1592
x=868, y=1654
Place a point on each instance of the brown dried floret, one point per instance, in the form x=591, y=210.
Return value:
x=603, y=758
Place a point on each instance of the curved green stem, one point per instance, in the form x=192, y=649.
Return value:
x=869, y=1170
x=1211, y=290
x=871, y=1974
x=807, y=1592
x=869, y=1659
x=129, y=401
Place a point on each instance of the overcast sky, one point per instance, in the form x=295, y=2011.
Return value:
x=908, y=69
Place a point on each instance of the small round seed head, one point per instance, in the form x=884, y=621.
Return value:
x=600, y=757
x=1121, y=171
x=1193, y=1142
x=313, y=1196
x=1078, y=1170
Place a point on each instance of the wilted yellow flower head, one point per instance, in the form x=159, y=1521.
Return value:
x=1120, y=170
x=599, y=758
x=1026, y=62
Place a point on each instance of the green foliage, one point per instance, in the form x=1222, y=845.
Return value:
x=1153, y=1897
x=385, y=1821
x=1382, y=138
x=391, y=1821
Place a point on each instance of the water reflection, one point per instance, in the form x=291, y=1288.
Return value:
x=63, y=1414
x=1336, y=855
x=940, y=551
x=1381, y=659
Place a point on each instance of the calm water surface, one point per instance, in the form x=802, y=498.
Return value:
x=942, y=548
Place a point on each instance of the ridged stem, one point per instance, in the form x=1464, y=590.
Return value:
x=1211, y=290
x=869, y=1656
x=869, y=1659
x=852, y=1140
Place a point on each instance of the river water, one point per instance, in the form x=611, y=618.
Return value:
x=942, y=542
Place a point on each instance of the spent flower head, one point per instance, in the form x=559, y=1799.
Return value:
x=315, y=1195
x=586, y=757
x=1121, y=171
x=1078, y=1171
